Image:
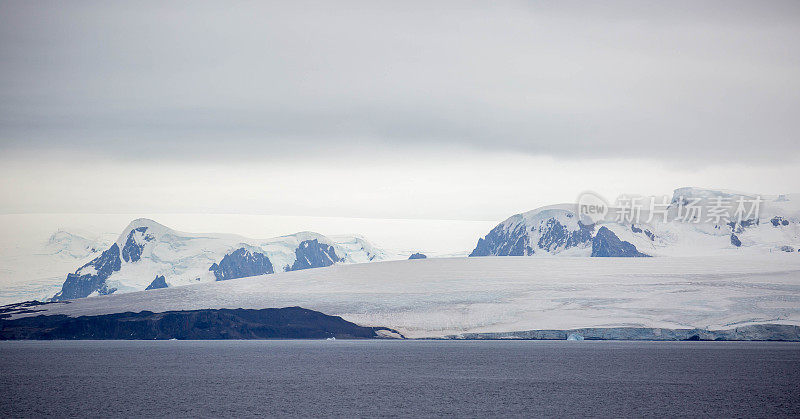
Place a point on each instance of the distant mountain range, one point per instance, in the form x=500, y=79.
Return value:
x=733, y=296
x=688, y=275
x=560, y=229
x=148, y=255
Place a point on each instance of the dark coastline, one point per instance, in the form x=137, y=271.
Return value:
x=301, y=323
x=269, y=323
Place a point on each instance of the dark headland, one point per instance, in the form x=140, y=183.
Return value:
x=268, y=323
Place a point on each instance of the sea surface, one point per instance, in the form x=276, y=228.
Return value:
x=398, y=378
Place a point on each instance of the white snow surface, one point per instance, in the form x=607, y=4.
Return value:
x=36, y=267
x=184, y=258
x=679, y=238
x=444, y=296
x=38, y=250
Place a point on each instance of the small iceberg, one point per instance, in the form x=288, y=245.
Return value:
x=331, y=338
x=574, y=336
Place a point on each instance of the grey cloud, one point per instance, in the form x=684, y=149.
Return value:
x=718, y=81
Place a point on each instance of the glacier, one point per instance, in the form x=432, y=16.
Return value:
x=440, y=297
x=535, y=277
x=556, y=230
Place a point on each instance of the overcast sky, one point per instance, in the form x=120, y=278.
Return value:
x=459, y=110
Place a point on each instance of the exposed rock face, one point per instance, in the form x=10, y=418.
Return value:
x=159, y=282
x=738, y=227
x=504, y=242
x=313, y=254
x=550, y=230
x=735, y=240
x=91, y=277
x=554, y=235
x=417, y=256
x=607, y=244
x=553, y=230
x=646, y=232
x=241, y=263
x=778, y=221
x=25, y=307
x=269, y=323
x=132, y=251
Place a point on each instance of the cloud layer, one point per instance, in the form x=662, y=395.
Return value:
x=256, y=80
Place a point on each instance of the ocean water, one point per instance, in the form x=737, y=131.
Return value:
x=398, y=378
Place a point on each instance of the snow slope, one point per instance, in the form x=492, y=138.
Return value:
x=446, y=296
x=147, y=249
x=34, y=268
x=558, y=229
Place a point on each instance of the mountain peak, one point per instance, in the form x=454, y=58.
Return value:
x=142, y=225
x=145, y=222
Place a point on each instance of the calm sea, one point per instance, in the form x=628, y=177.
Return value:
x=398, y=378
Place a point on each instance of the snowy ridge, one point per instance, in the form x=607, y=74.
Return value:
x=557, y=230
x=439, y=297
x=550, y=230
x=35, y=267
x=360, y=250
x=73, y=245
x=147, y=249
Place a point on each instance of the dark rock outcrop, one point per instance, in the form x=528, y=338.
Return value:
x=738, y=227
x=417, y=256
x=313, y=254
x=735, y=240
x=503, y=242
x=24, y=307
x=606, y=244
x=269, y=323
x=778, y=221
x=91, y=277
x=646, y=232
x=159, y=282
x=132, y=251
x=515, y=240
x=554, y=235
x=241, y=263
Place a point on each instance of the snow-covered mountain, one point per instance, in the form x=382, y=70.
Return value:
x=74, y=246
x=560, y=230
x=436, y=297
x=148, y=255
x=33, y=264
